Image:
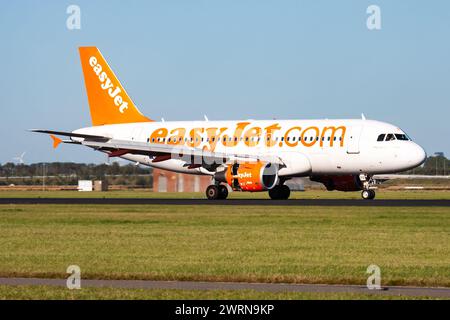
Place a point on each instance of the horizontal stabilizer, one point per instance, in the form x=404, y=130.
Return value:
x=71, y=134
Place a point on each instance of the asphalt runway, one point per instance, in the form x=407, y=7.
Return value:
x=234, y=202
x=264, y=287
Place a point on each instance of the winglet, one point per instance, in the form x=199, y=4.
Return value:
x=56, y=141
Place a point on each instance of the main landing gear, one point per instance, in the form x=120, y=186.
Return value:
x=280, y=192
x=216, y=192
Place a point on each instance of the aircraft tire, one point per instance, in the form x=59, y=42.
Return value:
x=280, y=192
x=212, y=192
x=223, y=192
x=368, y=194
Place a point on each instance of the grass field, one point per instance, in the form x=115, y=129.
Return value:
x=273, y=244
x=223, y=243
x=310, y=194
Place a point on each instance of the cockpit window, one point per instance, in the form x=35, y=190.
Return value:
x=401, y=137
x=393, y=136
x=390, y=137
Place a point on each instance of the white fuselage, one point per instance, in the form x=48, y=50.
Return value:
x=332, y=147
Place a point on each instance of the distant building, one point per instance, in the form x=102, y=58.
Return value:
x=89, y=185
x=166, y=181
x=439, y=154
x=100, y=185
x=85, y=185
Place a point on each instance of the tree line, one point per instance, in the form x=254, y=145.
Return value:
x=436, y=165
x=68, y=173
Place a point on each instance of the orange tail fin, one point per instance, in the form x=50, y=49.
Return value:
x=108, y=101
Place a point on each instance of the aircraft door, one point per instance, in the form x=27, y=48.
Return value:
x=353, y=139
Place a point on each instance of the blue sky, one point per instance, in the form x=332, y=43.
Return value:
x=229, y=60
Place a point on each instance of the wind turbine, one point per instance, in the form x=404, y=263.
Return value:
x=19, y=159
x=107, y=160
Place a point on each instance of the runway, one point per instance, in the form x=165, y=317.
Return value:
x=264, y=287
x=232, y=202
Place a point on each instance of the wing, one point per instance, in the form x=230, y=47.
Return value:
x=160, y=152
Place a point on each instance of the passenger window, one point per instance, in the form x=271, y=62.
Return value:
x=381, y=137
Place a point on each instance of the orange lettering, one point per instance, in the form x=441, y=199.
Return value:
x=286, y=137
x=178, y=137
x=195, y=137
x=311, y=143
x=158, y=135
x=333, y=135
x=212, y=138
x=232, y=141
x=252, y=136
x=269, y=132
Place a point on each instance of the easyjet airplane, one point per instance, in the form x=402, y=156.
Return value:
x=246, y=155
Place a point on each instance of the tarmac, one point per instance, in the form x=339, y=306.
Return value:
x=264, y=287
x=233, y=202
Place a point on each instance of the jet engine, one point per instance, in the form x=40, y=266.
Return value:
x=255, y=176
x=340, y=183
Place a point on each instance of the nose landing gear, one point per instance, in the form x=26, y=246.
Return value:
x=367, y=182
x=368, y=194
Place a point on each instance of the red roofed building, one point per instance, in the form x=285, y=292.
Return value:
x=166, y=181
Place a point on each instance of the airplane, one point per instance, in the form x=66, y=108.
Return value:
x=244, y=155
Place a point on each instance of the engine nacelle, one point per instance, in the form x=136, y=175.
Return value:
x=340, y=183
x=296, y=165
x=255, y=176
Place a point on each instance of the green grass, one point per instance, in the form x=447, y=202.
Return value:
x=47, y=292
x=310, y=194
x=224, y=243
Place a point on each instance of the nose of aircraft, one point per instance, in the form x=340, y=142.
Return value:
x=416, y=155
